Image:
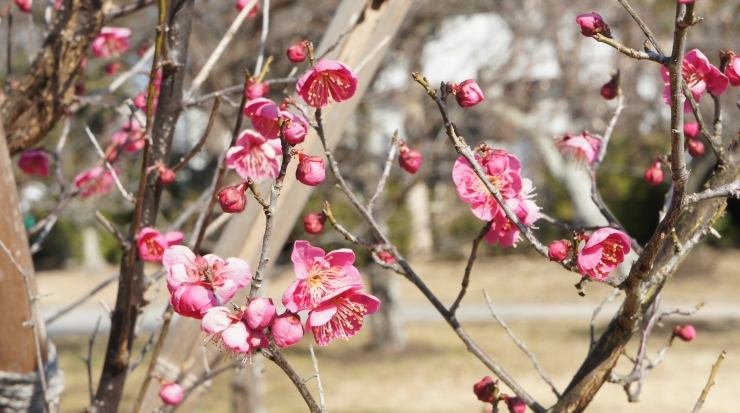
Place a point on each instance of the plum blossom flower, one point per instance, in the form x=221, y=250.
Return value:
x=592, y=24
x=484, y=389
x=516, y=404
x=152, y=243
x=340, y=315
x=199, y=283
x=171, y=393
x=294, y=130
x=130, y=137
x=265, y=115
x=260, y=313
x=241, y=4
x=256, y=90
x=583, y=148
x=313, y=223
x=329, y=81
x=311, y=170
x=558, y=250
x=699, y=74
x=319, y=275
x=34, y=162
x=111, y=41
x=696, y=148
x=604, y=251
x=96, y=181
x=685, y=333
x=502, y=170
x=254, y=156
x=24, y=5
x=691, y=130
x=503, y=229
x=232, y=331
x=287, y=329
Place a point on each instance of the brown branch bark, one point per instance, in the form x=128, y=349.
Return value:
x=45, y=92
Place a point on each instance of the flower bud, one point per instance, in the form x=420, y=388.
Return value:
x=409, y=159
x=558, y=250
x=171, y=393
x=24, y=5
x=166, y=175
x=34, y=162
x=696, y=148
x=591, y=24
x=297, y=53
x=387, y=257
x=112, y=68
x=691, y=130
x=294, y=132
x=232, y=198
x=260, y=313
x=516, y=405
x=654, y=174
x=256, y=90
x=732, y=71
x=310, y=170
x=610, y=90
x=79, y=89
x=287, y=329
x=314, y=222
x=484, y=389
x=685, y=333
x=468, y=93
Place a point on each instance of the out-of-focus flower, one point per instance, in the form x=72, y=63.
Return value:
x=311, y=170
x=232, y=331
x=256, y=90
x=592, y=24
x=558, y=250
x=696, y=148
x=732, y=71
x=152, y=243
x=686, y=1
x=130, y=137
x=287, y=329
x=654, y=174
x=166, y=175
x=409, y=159
x=96, y=181
x=699, y=74
x=387, y=257
x=685, y=333
x=254, y=156
x=583, y=148
x=604, y=251
x=610, y=90
x=691, y=130
x=232, y=198
x=171, y=393
x=340, y=315
x=297, y=52
x=34, y=162
x=314, y=222
x=241, y=4
x=329, y=81
x=484, y=389
x=24, y=5
x=112, y=68
x=516, y=404
x=111, y=41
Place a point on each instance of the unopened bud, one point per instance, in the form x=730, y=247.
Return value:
x=171, y=393
x=232, y=198
x=311, y=170
x=685, y=333
x=610, y=90
x=592, y=24
x=558, y=250
x=468, y=93
x=297, y=53
x=516, y=405
x=696, y=148
x=314, y=222
x=654, y=174
x=409, y=159
x=484, y=389
x=256, y=90
x=691, y=130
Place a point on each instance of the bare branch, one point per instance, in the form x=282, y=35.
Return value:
x=710, y=382
x=318, y=378
x=88, y=360
x=386, y=171
x=108, y=166
x=635, y=54
x=609, y=298
x=277, y=357
x=469, y=266
x=645, y=29
x=211, y=120
x=113, y=231
x=731, y=190
x=234, y=89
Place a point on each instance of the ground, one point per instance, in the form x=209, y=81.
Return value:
x=435, y=373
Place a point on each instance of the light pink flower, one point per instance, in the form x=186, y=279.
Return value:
x=329, y=81
x=319, y=275
x=171, y=393
x=592, y=24
x=311, y=170
x=152, y=243
x=699, y=74
x=232, y=331
x=260, y=313
x=502, y=170
x=603, y=252
x=583, y=148
x=340, y=315
x=287, y=329
x=199, y=283
x=34, y=162
x=254, y=156
x=130, y=137
x=96, y=181
x=732, y=71
x=111, y=41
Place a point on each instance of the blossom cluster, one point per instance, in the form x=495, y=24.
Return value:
x=503, y=170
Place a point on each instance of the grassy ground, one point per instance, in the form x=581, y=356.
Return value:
x=435, y=373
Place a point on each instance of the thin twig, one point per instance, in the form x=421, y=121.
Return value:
x=220, y=48
x=635, y=54
x=469, y=267
x=209, y=375
x=88, y=360
x=643, y=26
x=609, y=298
x=167, y=318
x=263, y=36
x=566, y=226
x=731, y=190
x=318, y=378
x=108, y=166
x=34, y=325
x=234, y=89
x=81, y=300
x=710, y=382
x=277, y=357
x=113, y=231
x=211, y=120
x=386, y=171
x=521, y=345
x=147, y=346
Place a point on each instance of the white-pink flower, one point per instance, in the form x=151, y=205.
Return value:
x=231, y=331
x=199, y=283
x=111, y=41
x=502, y=170
x=319, y=275
x=581, y=149
x=340, y=315
x=255, y=157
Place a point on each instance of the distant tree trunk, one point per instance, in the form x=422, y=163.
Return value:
x=248, y=388
x=386, y=323
x=20, y=388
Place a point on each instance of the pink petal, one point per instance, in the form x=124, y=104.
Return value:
x=321, y=315
x=216, y=320
x=303, y=256
x=235, y=336
x=174, y=237
x=177, y=254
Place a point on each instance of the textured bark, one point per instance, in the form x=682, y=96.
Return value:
x=130, y=299
x=46, y=90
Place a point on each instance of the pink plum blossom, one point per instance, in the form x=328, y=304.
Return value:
x=691, y=130
x=24, y=5
x=311, y=170
x=130, y=137
x=685, y=333
x=502, y=170
x=696, y=148
x=265, y=115
x=329, y=81
x=503, y=229
x=484, y=389
x=558, y=251
x=287, y=329
x=516, y=404
x=319, y=275
x=231, y=331
x=111, y=41
x=34, y=162
x=340, y=315
x=232, y=198
x=241, y=4
x=260, y=313
x=294, y=130
x=699, y=74
x=604, y=251
x=583, y=148
x=199, y=283
x=256, y=90
x=96, y=181
x=313, y=223
x=254, y=156
x=171, y=393
x=654, y=174
x=152, y=243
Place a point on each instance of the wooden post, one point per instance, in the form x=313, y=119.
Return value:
x=243, y=236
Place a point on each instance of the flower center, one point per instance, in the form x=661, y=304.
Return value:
x=323, y=279
x=349, y=315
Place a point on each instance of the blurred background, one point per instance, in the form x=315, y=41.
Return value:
x=541, y=78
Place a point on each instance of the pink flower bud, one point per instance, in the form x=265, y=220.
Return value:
x=558, y=250
x=287, y=329
x=691, y=130
x=297, y=53
x=468, y=94
x=294, y=132
x=610, y=90
x=256, y=90
x=696, y=148
x=232, y=198
x=516, y=405
x=686, y=1
x=260, y=313
x=654, y=174
x=79, y=89
x=387, y=257
x=112, y=68
x=314, y=222
x=240, y=4
x=685, y=333
x=484, y=389
x=171, y=393
x=166, y=175
x=34, y=162
x=732, y=71
x=409, y=159
x=24, y=5
x=591, y=24
x=310, y=170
